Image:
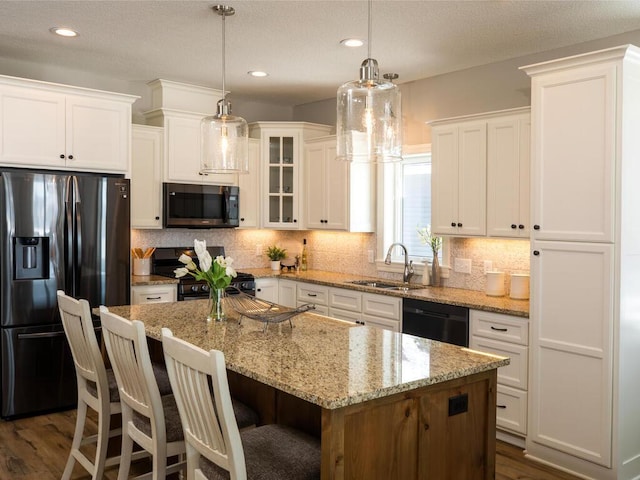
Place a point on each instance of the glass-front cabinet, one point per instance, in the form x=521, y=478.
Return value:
x=282, y=150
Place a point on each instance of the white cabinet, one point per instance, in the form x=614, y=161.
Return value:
x=584, y=412
x=57, y=126
x=506, y=336
x=287, y=293
x=267, y=289
x=153, y=293
x=182, y=148
x=382, y=311
x=316, y=294
x=249, y=185
x=338, y=195
x=146, y=176
x=281, y=147
x=458, y=182
x=508, y=178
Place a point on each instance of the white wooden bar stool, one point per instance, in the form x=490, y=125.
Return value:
x=97, y=388
x=148, y=419
x=216, y=449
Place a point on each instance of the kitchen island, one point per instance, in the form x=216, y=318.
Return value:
x=386, y=405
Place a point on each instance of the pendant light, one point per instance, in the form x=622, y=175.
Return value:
x=225, y=140
x=369, y=118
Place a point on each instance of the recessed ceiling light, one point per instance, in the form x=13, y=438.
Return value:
x=63, y=31
x=257, y=73
x=352, y=42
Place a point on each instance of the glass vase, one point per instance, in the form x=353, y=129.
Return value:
x=435, y=272
x=214, y=309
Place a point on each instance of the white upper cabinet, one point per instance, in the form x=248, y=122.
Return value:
x=508, y=161
x=458, y=185
x=480, y=174
x=180, y=108
x=249, y=184
x=574, y=175
x=147, y=145
x=57, y=126
x=338, y=195
x=281, y=149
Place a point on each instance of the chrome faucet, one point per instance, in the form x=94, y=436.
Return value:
x=408, y=265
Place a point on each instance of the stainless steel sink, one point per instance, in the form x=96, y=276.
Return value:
x=385, y=285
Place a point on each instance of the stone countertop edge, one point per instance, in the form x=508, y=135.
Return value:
x=451, y=296
x=141, y=280
x=315, y=361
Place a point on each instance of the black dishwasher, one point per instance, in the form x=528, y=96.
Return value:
x=437, y=321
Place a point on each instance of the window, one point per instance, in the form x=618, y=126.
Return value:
x=405, y=207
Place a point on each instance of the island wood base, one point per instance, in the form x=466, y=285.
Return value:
x=409, y=435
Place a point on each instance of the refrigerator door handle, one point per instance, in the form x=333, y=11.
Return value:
x=77, y=261
x=24, y=336
x=69, y=250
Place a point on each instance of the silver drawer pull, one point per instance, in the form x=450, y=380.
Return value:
x=499, y=329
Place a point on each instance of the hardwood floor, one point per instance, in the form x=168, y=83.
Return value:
x=36, y=448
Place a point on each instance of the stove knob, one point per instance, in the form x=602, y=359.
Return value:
x=205, y=288
x=194, y=288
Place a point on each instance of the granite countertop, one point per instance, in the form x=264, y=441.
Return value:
x=451, y=296
x=324, y=361
x=138, y=280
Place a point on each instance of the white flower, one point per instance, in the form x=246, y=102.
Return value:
x=188, y=262
x=205, y=261
x=231, y=272
x=180, y=272
x=200, y=246
x=220, y=260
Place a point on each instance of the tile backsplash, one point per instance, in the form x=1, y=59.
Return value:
x=341, y=252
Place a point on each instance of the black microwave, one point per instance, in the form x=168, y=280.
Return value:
x=199, y=206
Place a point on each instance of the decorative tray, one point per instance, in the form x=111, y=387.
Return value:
x=262, y=310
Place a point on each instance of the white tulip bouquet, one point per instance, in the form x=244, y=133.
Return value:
x=217, y=272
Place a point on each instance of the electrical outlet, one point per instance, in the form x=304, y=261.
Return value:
x=258, y=250
x=462, y=265
x=370, y=256
x=488, y=266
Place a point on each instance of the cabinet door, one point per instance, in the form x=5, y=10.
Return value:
x=32, y=126
x=508, y=177
x=574, y=154
x=281, y=179
x=249, y=184
x=472, y=175
x=267, y=289
x=183, y=146
x=315, y=186
x=338, y=200
x=97, y=134
x=287, y=293
x=146, y=177
x=571, y=342
x=444, y=180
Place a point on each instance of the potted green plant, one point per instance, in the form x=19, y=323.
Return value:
x=275, y=254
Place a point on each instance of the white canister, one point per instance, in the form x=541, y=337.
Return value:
x=519, y=286
x=142, y=266
x=495, y=284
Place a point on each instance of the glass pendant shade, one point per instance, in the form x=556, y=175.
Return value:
x=369, y=120
x=225, y=143
x=225, y=138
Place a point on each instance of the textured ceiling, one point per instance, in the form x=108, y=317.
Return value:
x=297, y=42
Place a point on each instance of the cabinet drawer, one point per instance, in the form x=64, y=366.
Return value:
x=313, y=294
x=381, y=306
x=347, y=315
x=345, y=299
x=384, y=323
x=500, y=327
x=511, y=412
x=153, y=294
x=320, y=309
x=516, y=373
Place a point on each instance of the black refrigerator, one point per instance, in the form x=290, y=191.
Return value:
x=58, y=231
